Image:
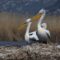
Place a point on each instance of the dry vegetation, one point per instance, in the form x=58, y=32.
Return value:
x=35, y=51
x=53, y=23
x=10, y=25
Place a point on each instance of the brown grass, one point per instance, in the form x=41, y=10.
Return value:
x=10, y=26
x=53, y=23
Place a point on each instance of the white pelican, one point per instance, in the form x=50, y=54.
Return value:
x=42, y=32
x=30, y=35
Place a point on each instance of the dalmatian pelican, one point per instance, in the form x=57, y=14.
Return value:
x=30, y=36
x=42, y=31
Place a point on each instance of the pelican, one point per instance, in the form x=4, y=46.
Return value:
x=30, y=35
x=42, y=32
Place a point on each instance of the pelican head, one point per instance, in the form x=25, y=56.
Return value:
x=28, y=20
x=44, y=25
x=42, y=11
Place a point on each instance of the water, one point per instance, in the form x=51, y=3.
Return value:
x=18, y=43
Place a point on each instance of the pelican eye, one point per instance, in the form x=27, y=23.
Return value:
x=42, y=26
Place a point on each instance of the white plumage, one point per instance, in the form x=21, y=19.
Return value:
x=42, y=31
x=30, y=35
x=41, y=34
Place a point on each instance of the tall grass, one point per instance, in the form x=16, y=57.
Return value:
x=9, y=24
x=53, y=23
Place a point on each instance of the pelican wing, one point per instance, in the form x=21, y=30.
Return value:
x=48, y=34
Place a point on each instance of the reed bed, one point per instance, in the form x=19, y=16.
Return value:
x=10, y=25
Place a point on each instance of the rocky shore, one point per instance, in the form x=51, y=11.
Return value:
x=35, y=51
